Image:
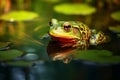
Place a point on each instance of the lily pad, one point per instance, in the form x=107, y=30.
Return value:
x=19, y=16
x=116, y=15
x=23, y=63
x=98, y=56
x=19, y=63
x=75, y=9
x=9, y=54
x=52, y=1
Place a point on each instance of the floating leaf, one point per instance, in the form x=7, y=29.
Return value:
x=116, y=15
x=98, y=56
x=19, y=16
x=24, y=63
x=19, y=63
x=75, y=9
x=9, y=54
x=52, y=1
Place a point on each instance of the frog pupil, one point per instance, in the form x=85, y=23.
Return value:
x=68, y=26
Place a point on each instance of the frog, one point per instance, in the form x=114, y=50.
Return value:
x=75, y=34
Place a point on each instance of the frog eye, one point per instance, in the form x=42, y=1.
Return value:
x=67, y=26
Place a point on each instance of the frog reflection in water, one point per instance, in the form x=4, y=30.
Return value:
x=74, y=34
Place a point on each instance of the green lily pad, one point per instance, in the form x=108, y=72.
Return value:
x=19, y=63
x=23, y=63
x=9, y=54
x=98, y=56
x=19, y=16
x=116, y=15
x=52, y=1
x=75, y=9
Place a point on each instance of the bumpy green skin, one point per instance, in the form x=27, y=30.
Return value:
x=75, y=34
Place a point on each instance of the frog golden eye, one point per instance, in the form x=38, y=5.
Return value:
x=67, y=26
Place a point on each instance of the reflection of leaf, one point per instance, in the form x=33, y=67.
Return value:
x=116, y=15
x=19, y=16
x=99, y=56
x=3, y=44
x=9, y=54
x=115, y=28
x=75, y=9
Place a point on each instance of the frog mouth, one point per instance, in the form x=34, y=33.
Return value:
x=62, y=35
x=64, y=39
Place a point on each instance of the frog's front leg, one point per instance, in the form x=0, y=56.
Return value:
x=97, y=38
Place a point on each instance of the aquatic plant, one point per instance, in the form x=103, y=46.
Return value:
x=98, y=56
x=75, y=9
x=116, y=15
x=9, y=54
x=19, y=16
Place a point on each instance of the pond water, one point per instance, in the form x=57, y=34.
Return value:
x=26, y=49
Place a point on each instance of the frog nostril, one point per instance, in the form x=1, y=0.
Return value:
x=50, y=23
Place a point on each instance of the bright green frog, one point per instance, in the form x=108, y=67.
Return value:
x=75, y=34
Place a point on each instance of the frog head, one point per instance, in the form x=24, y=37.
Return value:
x=68, y=31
